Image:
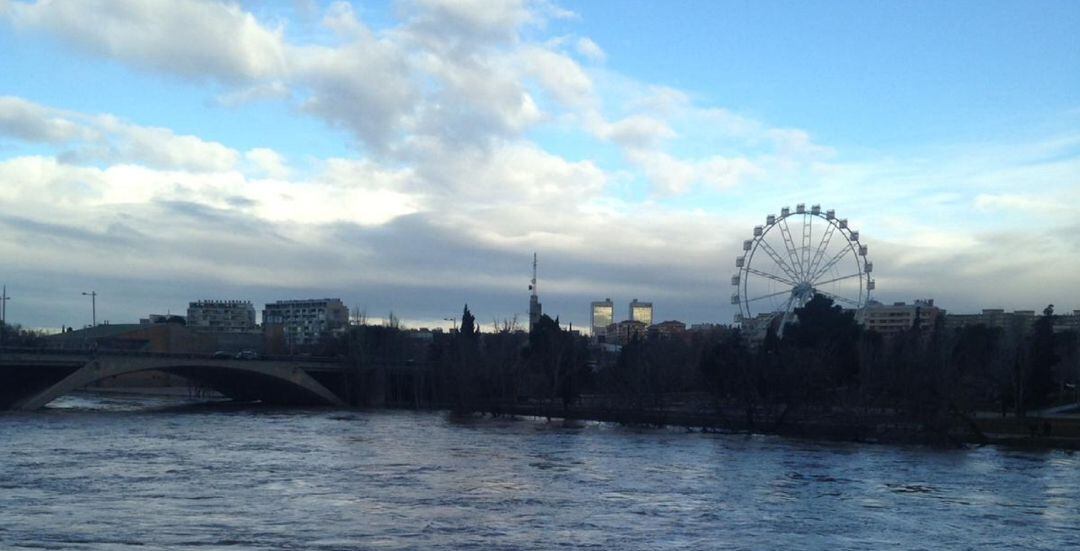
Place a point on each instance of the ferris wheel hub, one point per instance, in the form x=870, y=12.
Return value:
x=803, y=292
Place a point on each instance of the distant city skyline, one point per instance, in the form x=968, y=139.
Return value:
x=410, y=156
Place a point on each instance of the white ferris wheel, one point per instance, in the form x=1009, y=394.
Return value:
x=796, y=255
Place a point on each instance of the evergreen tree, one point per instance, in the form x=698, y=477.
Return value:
x=469, y=329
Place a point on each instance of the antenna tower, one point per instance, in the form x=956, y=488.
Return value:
x=532, y=287
x=535, y=310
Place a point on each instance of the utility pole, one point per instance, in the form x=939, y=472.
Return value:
x=93, y=306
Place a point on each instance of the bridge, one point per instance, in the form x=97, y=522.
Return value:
x=31, y=378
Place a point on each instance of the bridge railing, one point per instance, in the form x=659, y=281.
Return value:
x=175, y=355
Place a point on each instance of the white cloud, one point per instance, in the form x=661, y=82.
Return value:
x=636, y=131
x=477, y=100
x=511, y=173
x=191, y=38
x=590, y=50
x=558, y=75
x=35, y=182
x=364, y=86
x=344, y=191
x=451, y=70
x=656, y=99
x=460, y=22
x=1029, y=205
x=24, y=120
x=160, y=147
x=674, y=176
x=109, y=139
x=272, y=90
x=267, y=162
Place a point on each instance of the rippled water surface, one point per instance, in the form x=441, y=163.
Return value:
x=152, y=473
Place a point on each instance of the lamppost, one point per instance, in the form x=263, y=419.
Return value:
x=93, y=306
x=453, y=323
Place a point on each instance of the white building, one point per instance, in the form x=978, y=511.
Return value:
x=305, y=321
x=222, y=316
x=900, y=317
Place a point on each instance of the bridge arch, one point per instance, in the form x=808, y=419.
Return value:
x=277, y=382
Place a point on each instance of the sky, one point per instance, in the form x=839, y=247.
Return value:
x=411, y=156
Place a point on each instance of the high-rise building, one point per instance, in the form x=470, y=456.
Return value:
x=641, y=311
x=222, y=316
x=305, y=321
x=601, y=315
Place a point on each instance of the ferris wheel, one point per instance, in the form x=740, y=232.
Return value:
x=796, y=255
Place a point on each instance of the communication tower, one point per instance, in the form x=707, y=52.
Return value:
x=534, y=300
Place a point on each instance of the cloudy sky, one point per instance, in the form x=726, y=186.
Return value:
x=410, y=156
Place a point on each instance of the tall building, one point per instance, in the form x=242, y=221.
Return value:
x=641, y=311
x=601, y=315
x=535, y=310
x=222, y=316
x=305, y=321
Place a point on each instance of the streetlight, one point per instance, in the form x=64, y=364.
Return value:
x=453, y=323
x=93, y=306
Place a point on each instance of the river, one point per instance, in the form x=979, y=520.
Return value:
x=148, y=473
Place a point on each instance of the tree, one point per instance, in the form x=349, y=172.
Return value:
x=724, y=366
x=1042, y=359
x=729, y=370
x=469, y=330
x=827, y=339
x=470, y=386
x=557, y=364
x=975, y=354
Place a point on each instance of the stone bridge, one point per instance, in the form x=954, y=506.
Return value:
x=31, y=378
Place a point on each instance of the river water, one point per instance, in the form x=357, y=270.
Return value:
x=159, y=473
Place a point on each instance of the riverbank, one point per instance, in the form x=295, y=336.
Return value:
x=1061, y=431
x=1029, y=432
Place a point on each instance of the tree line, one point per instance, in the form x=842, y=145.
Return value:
x=825, y=362
x=15, y=335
